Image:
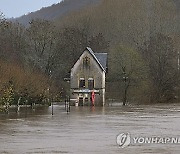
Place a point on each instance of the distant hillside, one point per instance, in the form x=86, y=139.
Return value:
x=177, y=2
x=56, y=10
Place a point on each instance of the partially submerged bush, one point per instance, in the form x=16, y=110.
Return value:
x=20, y=85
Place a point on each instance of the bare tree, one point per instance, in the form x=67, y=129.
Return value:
x=160, y=55
x=41, y=40
x=126, y=67
x=98, y=43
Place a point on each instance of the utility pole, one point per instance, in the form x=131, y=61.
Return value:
x=50, y=99
x=178, y=94
x=178, y=62
x=125, y=78
x=67, y=104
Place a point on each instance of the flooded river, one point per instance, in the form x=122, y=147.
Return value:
x=87, y=130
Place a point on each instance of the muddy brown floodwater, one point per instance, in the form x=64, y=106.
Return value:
x=87, y=130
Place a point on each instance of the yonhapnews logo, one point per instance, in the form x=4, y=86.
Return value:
x=125, y=139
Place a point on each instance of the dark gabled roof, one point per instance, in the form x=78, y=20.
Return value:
x=101, y=58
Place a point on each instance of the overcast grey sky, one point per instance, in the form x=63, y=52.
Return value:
x=16, y=8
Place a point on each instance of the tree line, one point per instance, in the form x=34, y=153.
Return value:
x=141, y=38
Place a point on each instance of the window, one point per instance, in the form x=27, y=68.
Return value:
x=91, y=83
x=86, y=63
x=82, y=83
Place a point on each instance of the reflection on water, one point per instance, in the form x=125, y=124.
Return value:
x=87, y=129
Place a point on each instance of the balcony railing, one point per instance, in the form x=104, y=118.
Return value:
x=84, y=91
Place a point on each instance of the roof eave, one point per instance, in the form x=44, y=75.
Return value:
x=92, y=53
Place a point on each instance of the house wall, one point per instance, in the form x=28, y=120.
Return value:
x=94, y=71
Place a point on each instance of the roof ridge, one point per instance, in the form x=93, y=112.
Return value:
x=93, y=54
